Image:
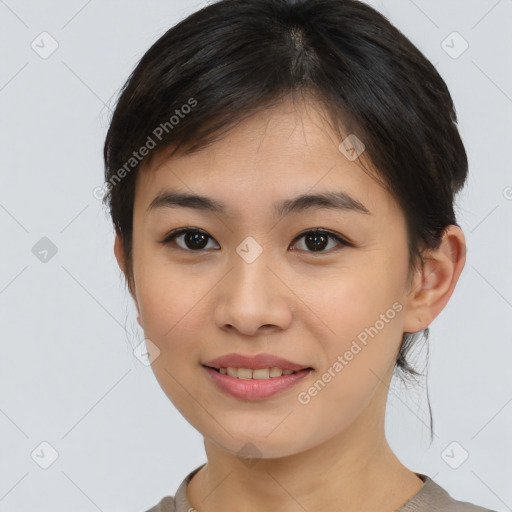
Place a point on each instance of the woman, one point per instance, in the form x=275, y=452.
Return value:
x=281, y=177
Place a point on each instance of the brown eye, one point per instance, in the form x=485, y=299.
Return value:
x=191, y=239
x=317, y=240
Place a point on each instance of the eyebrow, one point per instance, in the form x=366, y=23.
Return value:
x=338, y=200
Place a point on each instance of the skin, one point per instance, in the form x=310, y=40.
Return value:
x=330, y=454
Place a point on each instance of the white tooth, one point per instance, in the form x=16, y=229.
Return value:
x=259, y=373
x=275, y=372
x=262, y=373
x=232, y=372
x=244, y=373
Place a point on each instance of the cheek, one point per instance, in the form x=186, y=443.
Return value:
x=172, y=319
x=351, y=298
x=171, y=316
x=166, y=295
x=360, y=347
x=361, y=318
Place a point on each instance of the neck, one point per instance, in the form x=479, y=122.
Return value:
x=355, y=471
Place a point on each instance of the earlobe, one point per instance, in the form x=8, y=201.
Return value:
x=435, y=282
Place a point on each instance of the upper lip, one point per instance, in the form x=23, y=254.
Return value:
x=253, y=362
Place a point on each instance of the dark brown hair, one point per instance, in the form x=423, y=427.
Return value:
x=236, y=57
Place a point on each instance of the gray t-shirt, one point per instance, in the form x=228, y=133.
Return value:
x=429, y=498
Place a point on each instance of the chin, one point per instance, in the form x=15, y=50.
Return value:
x=252, y=447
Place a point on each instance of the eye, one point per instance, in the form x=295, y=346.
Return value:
x=195, y=239
x=317, y=240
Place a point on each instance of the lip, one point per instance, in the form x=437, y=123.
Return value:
x=254, y=362
x=255, y=389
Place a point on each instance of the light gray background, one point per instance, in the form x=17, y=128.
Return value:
x=68, y=374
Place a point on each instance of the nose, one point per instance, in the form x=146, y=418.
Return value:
x=253, y=299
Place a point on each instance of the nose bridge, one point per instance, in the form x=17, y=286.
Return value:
x=251, y=295
x=251, y=273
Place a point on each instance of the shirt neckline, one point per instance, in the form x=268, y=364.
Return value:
x=411, y=505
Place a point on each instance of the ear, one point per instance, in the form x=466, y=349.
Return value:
x=121, y=261
x=434, y=284
x=119, y=253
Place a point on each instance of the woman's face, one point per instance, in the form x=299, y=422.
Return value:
x=259, y=281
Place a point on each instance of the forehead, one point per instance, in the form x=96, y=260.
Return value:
x=270, y=157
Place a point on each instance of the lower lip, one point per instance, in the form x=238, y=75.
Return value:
x=255, y=389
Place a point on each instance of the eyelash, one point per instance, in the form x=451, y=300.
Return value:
x=170, y=237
